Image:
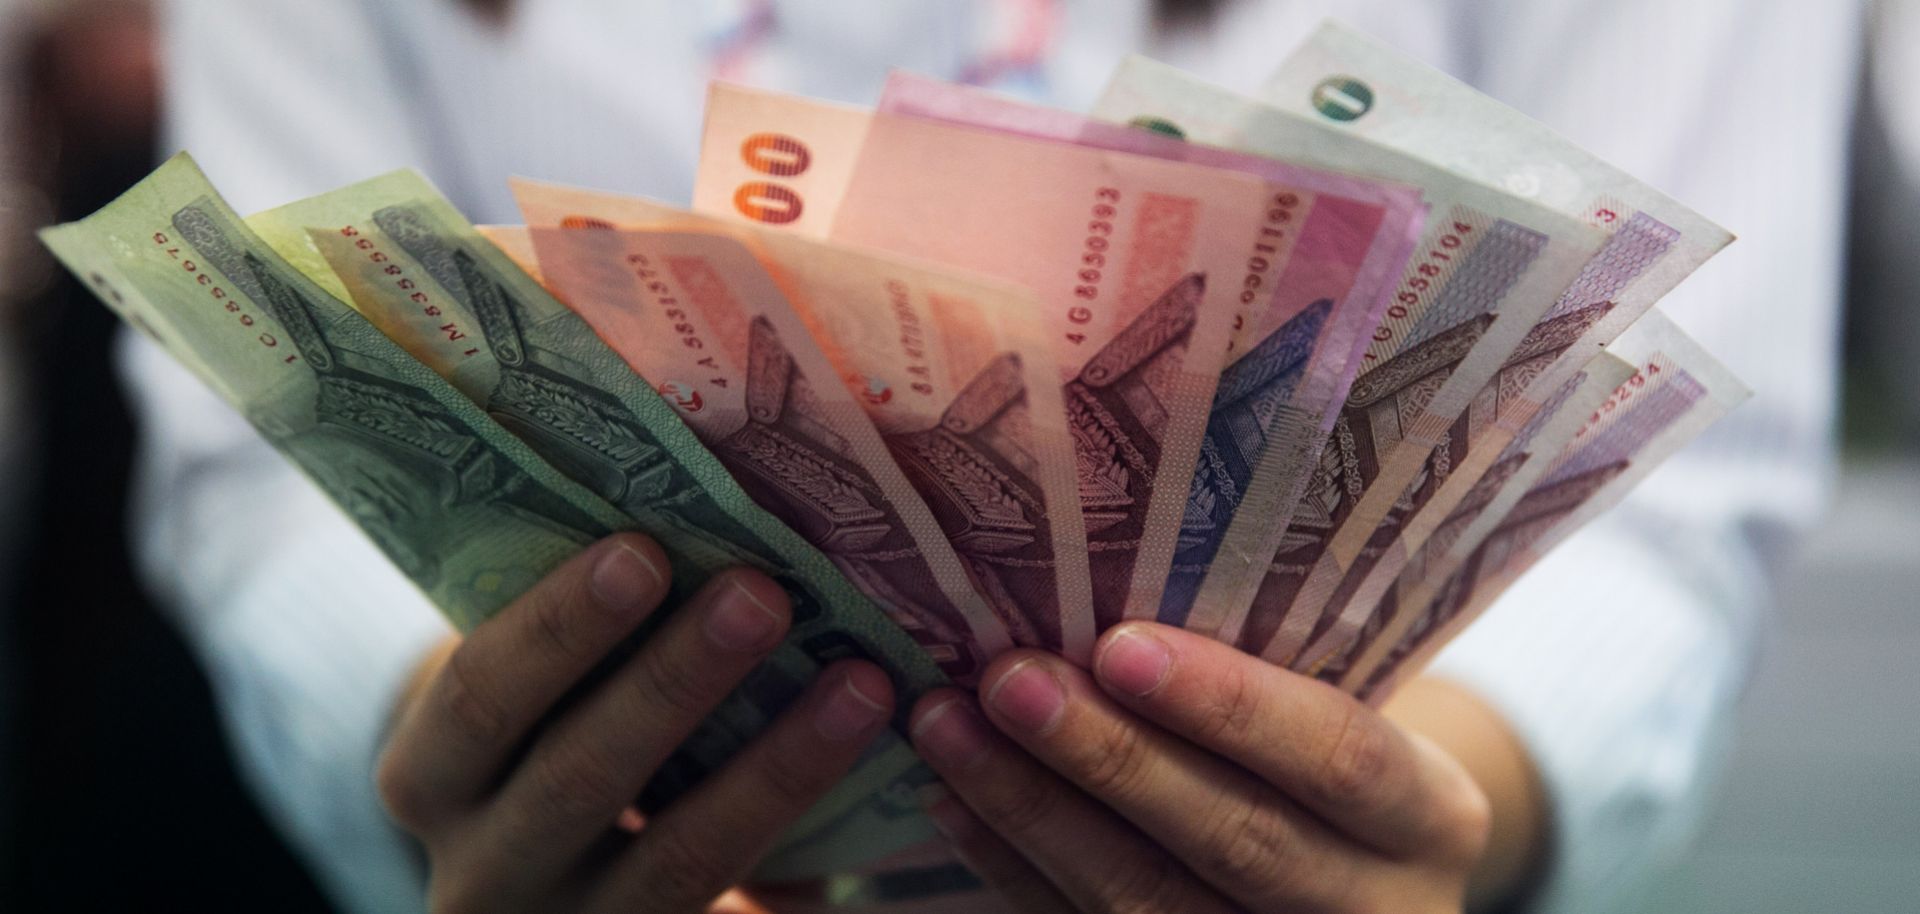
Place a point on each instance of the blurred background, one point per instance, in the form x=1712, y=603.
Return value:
x=116, y=792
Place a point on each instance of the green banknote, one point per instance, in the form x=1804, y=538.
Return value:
x=414, y=267
x=470, y=512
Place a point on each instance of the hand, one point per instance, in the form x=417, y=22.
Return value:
x=1187, y=776
x=518, y=780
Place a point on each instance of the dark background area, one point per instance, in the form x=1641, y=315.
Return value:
x=121, y=794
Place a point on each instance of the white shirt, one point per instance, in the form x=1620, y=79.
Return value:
x=1617, y=659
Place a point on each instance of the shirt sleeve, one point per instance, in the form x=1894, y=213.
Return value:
x=1620, y=657
x=306, y=631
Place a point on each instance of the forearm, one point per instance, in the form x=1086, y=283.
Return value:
x=1474, y=733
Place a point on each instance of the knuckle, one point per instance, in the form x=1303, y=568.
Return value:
x=1151, y=886
x=1358, y=763
x=794, y=781
x=571, y=781
x=474, y=710
x=1235, y=708
x=1117, y=763
x=671, y=681
x=1250, y=846
x=1024, y=808
x=556, y=625
x=682, y=871
x=1011, y=880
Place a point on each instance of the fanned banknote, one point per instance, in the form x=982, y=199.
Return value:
x=1677, y=390
x=1551, y=427
x=1489, y=266
x=1357, y=85
x=467, y=510
x=704, y=322
x=411, y=264
x=1316, y=285
x=957, y=375
x=1137, y=263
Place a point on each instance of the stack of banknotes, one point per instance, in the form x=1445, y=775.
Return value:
x=1317, y=374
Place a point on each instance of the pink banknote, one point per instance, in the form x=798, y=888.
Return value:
x=1334, y=244
x=956, y=374
x=700, y=318
x=1489, y=265
x=1138, y=263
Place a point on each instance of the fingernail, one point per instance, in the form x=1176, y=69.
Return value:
x=952, y=736
x=1134, y=662
x=847, y=712
x=738, y=621
x=1029, y=697
x=623, y=578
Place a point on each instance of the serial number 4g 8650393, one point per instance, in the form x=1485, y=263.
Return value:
x=1093, y=258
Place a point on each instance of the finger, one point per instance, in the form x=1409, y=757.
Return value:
x=1331, y=753
x=581, y=774
x=1091, y=855
x=453, y=742
x=714, y=835
x=1240, y=835
x=990, y=857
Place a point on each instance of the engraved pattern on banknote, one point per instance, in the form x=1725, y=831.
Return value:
x=1670, y=397
x=1114, y=414
x=1586, y=466
x=790, y=464
x=1253, y=392
x=1537, y=513
x=1490, y=270
x=552, y=401
x=1634, y=247
x=399, y=442
x=1380, y=401
x=1508, y=462
x=1537, y=351
x=972, y=468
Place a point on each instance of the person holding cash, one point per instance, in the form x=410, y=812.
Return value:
x=1552, y=760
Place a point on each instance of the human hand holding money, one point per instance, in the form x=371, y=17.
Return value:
x=524, y=744
x=936, y=382
x=1182, y=775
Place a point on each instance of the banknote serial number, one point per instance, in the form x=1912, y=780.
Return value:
x=1093, y=258
x=1266, y=246
x=679, y=318
x=218, y=293
x=383, y=264
x=1621, y=396
x=1431, y=267
x=913, y=337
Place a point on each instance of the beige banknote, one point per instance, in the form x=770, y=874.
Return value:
x=1677, y=390
x=1138, y=264
x=956, y=373
x=1360, y=86
x=1488, y=267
